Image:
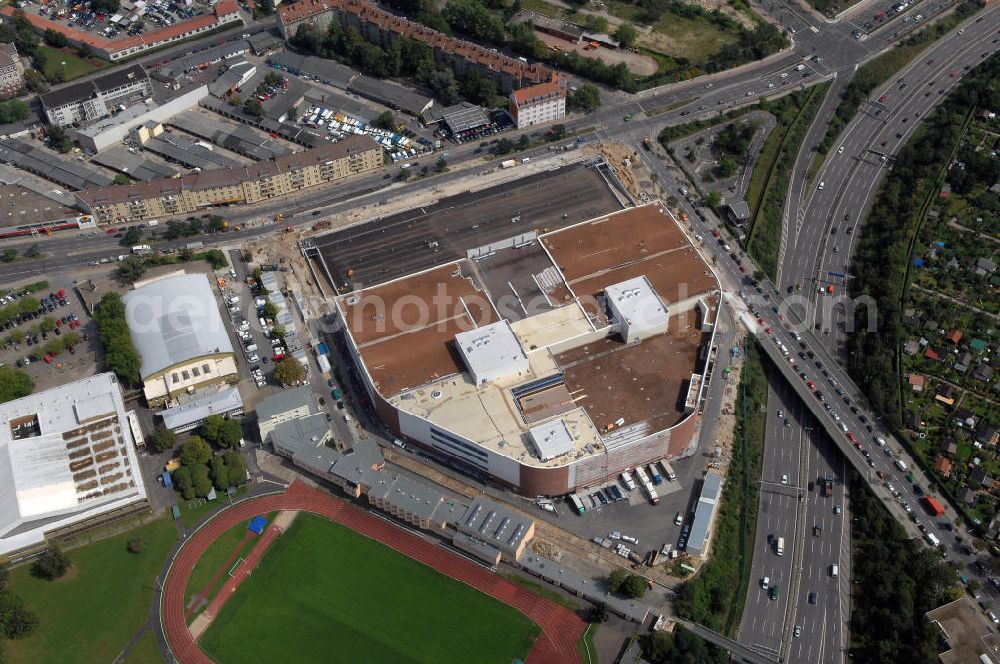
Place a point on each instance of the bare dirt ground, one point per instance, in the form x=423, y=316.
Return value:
x=638, y=64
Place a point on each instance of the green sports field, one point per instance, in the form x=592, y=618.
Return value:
x=325, y=593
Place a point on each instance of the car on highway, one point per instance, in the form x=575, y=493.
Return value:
x=765, y=583
x=822, y=186
x=812, y=598
x=798, y=631
x=774, y=592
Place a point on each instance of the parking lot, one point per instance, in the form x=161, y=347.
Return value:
x=123, y=23
x=47, y=333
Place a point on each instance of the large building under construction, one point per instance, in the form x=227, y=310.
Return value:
x=550, y=361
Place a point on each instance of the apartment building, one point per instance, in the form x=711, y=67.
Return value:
x=94, y=99
x=539, y=104
x=284, y=175
x=11, y=70
x=381, y=27
x=281, y=407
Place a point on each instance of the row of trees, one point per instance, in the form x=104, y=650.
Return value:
x=120, y=355
x=193, y=226
x=897, y=580
x=882, y=257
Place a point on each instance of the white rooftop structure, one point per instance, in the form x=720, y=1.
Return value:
x=65, y=454
x=637, y=310
x=188, y=415
x=173, y=321
x=552, y=439
x=491, y=352
x=704, y=513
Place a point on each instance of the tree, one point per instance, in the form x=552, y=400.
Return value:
x=626, y=34
x=634, y=586
x=234, y=100
x=32, y=251
x=51, y=565
x=55, y=346
x=558, y=132
x=504, y=146
x=58, y=138
x=237, y=467
x=163, y=439
x=220, y=431
x=84, y=51
x=441, y=165
x=617, y=579
x=596, y=23
x=18, y=621
x=183, y=482
x=105, y=6
x=219, y=473
x=270, y=311
x=289, y=371
x=714, y=199
x=131, y=237
x=12, y=111
x=130, y=270
x=14, y=384
x=253, y=108
x=8, y=255
x=35, y=82
x=195, y=452
x=200, y=480
x=523, y=142
x=278, y=331
x=136, y=545
x=600, y=613
x=387, y=120
x=71, y=338
x=55, y=38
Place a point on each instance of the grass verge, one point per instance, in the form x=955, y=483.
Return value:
x=90, y=614
x=322, y=585
x=767, y=190
x=194, y=510
x=542, y=590
x=715, y=596
x=585, y=646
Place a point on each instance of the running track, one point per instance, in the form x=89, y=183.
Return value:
x=561, y=628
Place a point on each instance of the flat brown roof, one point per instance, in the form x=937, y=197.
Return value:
x=404, y=329
x=644, y=382
x=639, y=241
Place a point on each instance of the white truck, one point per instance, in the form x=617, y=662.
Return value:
x=668, y=471
x=141, y=249
x=628, y=481
x=508, y=163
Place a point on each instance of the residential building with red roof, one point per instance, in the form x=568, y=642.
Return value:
x=539, y=104
x=381, y=27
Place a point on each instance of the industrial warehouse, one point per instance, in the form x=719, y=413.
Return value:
x=550, y=361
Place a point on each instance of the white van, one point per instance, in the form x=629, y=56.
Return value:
x=901, y=465
x=834, y=570
x=880, y=440
x=843, y=427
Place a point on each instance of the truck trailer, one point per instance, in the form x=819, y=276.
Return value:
x=933, y=505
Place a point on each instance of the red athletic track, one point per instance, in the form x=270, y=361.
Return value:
x=561, y=629
x=204, y=593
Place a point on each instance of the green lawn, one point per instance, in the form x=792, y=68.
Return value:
x=324, y=589
x=195, y=509
x=75, y=66
x=145, y=651
x=90, y=614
